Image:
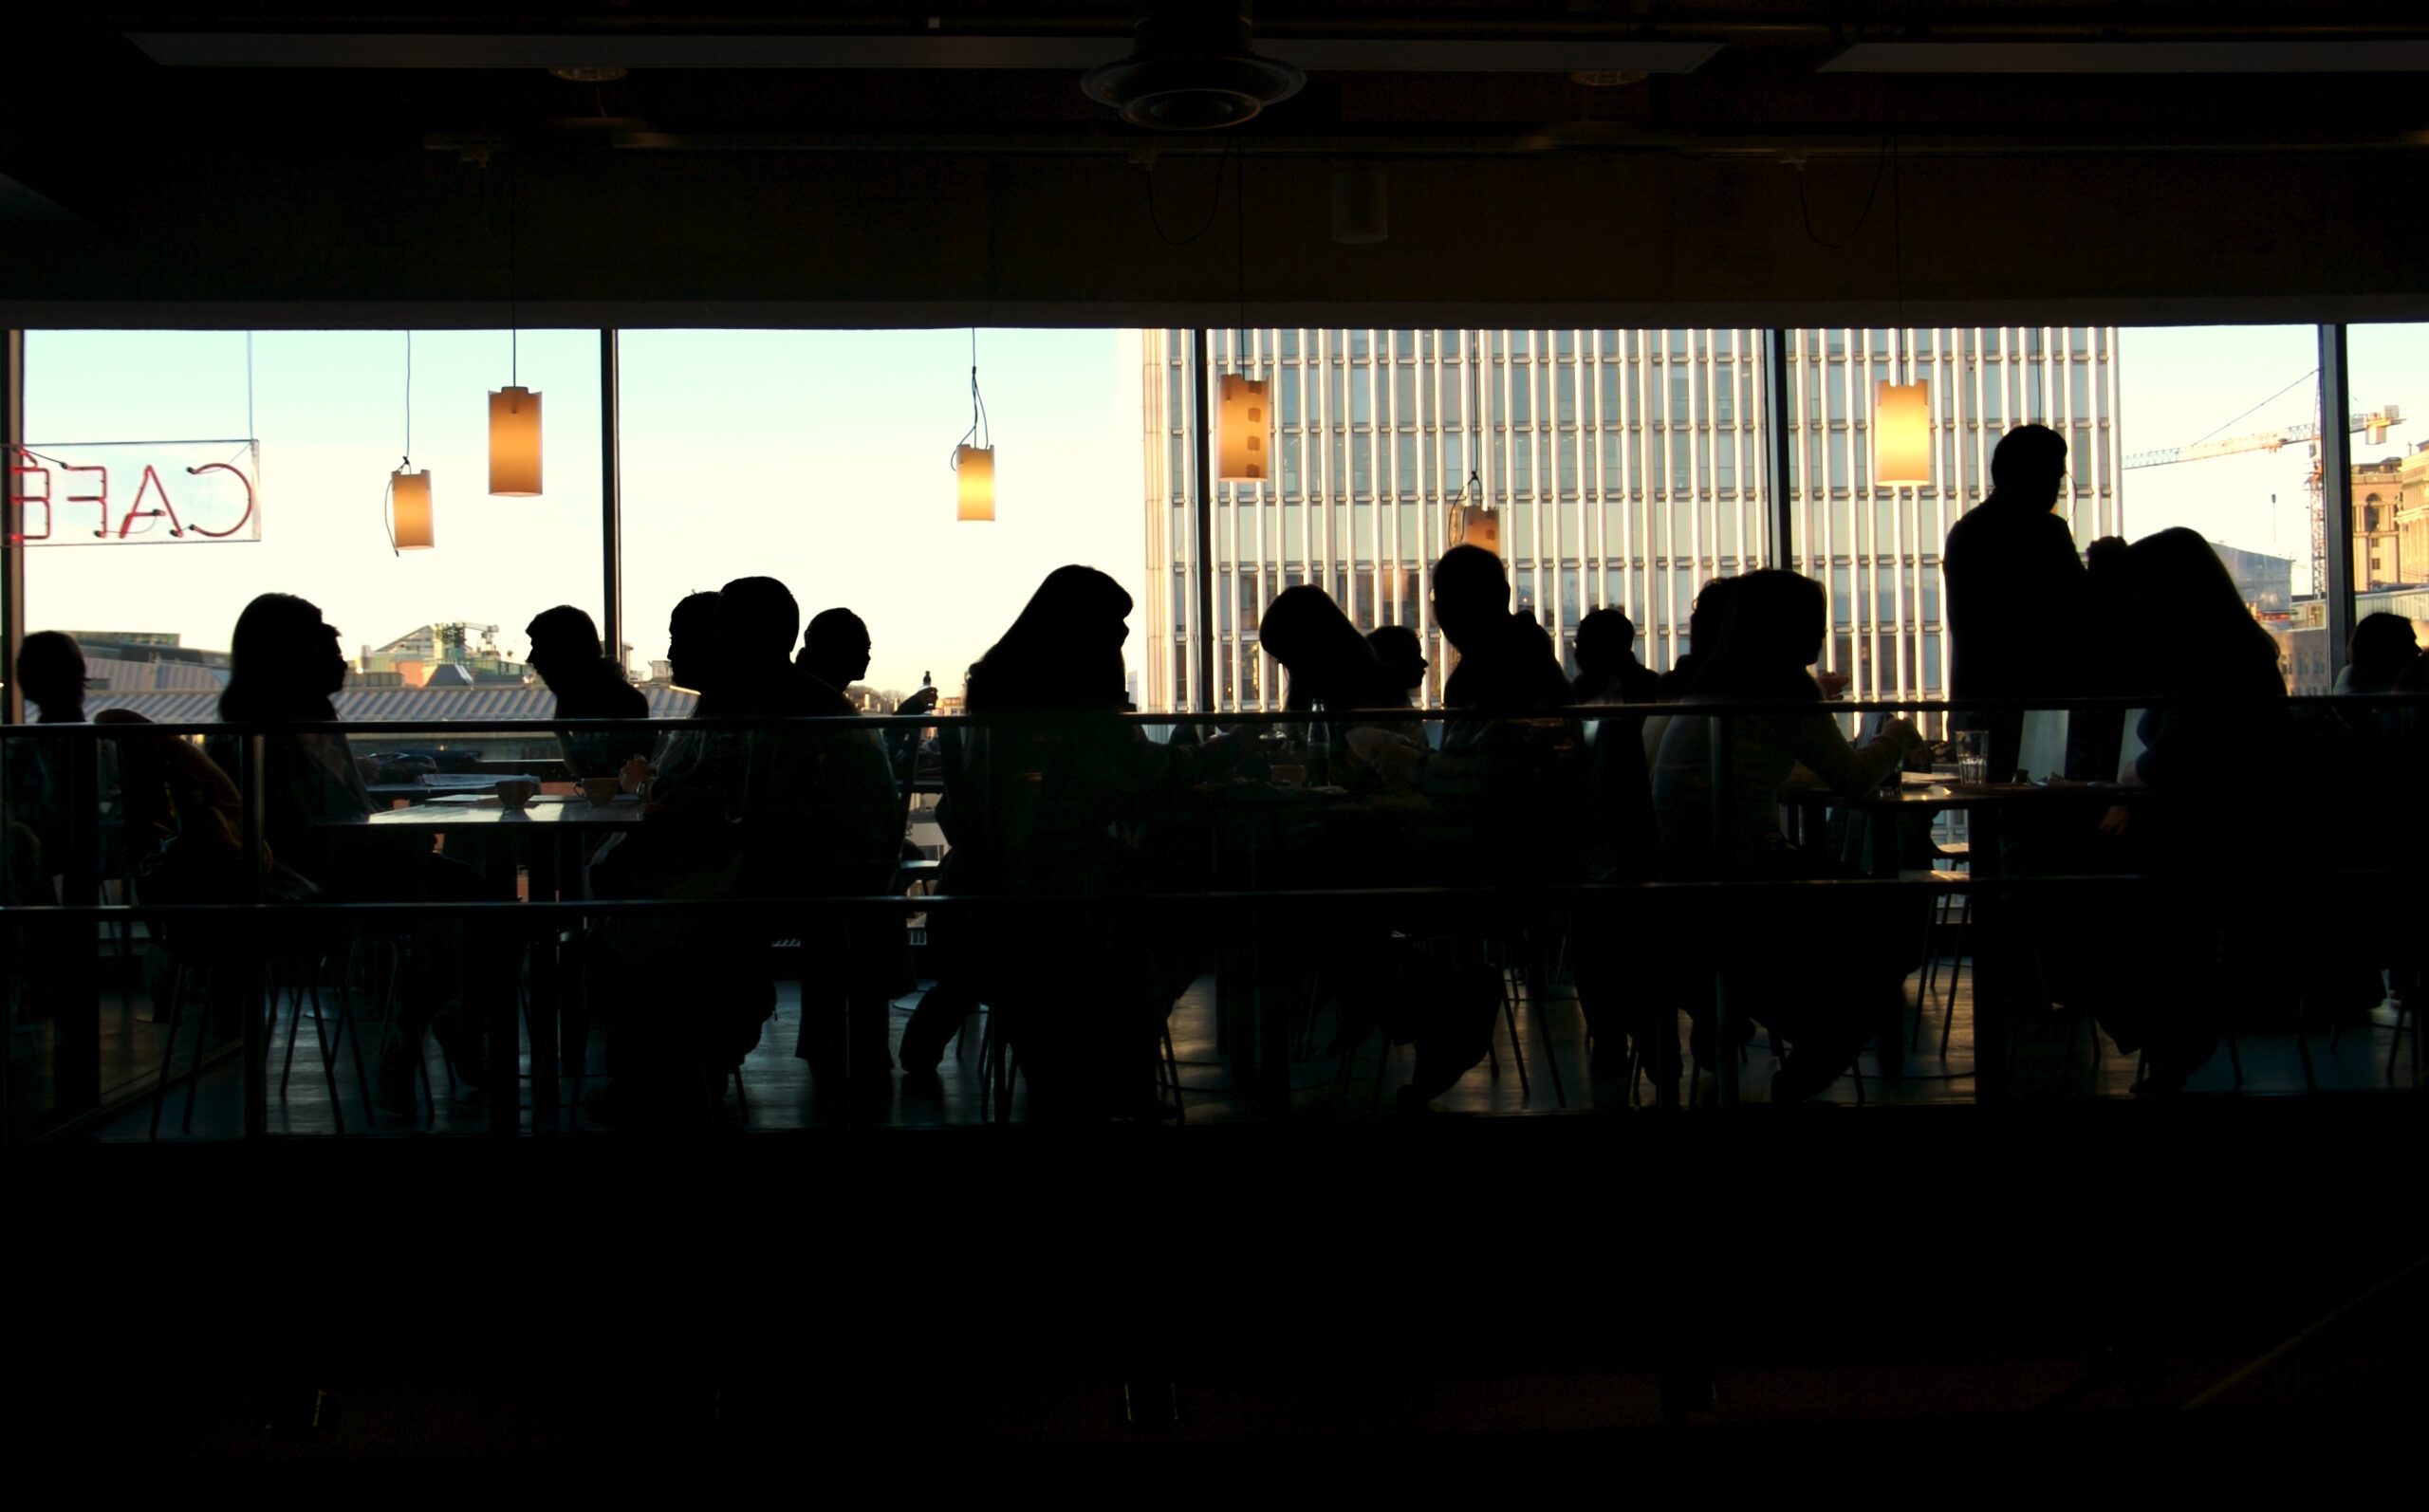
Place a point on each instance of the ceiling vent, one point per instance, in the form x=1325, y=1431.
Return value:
x=1192, y=68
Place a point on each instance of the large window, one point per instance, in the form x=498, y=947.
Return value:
x=329, y=411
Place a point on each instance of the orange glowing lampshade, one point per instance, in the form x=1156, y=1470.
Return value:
x=514, y=443
x=409, y=512
x=975, y=472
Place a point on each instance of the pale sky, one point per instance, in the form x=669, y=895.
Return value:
x=821, y=459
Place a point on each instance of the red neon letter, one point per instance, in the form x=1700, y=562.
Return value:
x=223, y=467
x=22, y=467
x=102, y=498
x=136, y=511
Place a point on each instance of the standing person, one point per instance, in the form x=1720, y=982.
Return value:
x=2016, y=581
x=565, y=653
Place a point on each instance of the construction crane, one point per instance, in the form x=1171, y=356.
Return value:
x=2371, y=425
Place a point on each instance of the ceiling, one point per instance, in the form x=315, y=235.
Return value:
x=875, y=165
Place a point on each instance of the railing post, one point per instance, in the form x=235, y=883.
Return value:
x=1724, y=1043
x=253, y=971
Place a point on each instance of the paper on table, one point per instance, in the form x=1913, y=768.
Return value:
x=470, y=782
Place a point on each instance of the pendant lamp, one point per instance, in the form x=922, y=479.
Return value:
x=973, y=460
x=1243, y=430
x=1901, y=434
x=975, y=470
x=409, y=525
x=514, y=443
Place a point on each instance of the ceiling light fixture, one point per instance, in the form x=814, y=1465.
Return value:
x=410, y=524
x=1193, y=70
x=1901, y=413
x=973, y=458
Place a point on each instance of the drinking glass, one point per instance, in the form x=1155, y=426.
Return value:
x=1972, y=748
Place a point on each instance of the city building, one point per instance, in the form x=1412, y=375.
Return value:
x=413, y=659
x=2391, y=522
x=1613, y=468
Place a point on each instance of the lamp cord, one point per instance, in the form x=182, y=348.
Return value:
x=409, y=399
x=1222, y=164
x=980, y=431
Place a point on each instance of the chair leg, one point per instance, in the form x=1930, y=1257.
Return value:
x=177, y=1011
x=294, y=1028
x=1517, y=1050
x=328, y=1056
x=193, y=1071
x=1955, y=961
x=1171, y=1075
x=1544, y=1030
x=351, y=1036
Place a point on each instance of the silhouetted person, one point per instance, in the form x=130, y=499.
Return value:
x=1329, y=666
x=41, y=770
x=1607, y=671
x=835, y=650
x=51, y=670
x=2017, y=592
x=1506, y=660
x=285, y=667
x=565, y=653
x=1403, y=656
x=1045, y=783
x=672, y=994
x=2380, y=651
x=1824, y=971
x=1705, y=621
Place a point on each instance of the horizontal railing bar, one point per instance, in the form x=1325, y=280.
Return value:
x=958, y=902
x=544, y=728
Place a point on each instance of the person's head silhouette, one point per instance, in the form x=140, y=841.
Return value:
x=2026, y=466
x=565, y=643
x=692, y=642
x=835, y=648
x=1329, y=662
x=283, y=662
x=1401, y=653
x=1604, y=640
x=1064, y=651
x=2192, y=618
x=757, y=619
x=1776, y=623
x=50, y=672
x=2381, y=650
x=1471, y=596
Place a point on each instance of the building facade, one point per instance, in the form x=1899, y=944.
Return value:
x=1621, y=469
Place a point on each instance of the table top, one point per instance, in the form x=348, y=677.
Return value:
x=1949, y=793
x=626, y=813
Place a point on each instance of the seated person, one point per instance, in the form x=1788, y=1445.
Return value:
x=1828, y=969
x=835, y=650
x=1403, y=658
x=285, y=667
x=565, y=653
x=1332, y=666
x=39, y=770
x=1607, y=671
x=1046, y=785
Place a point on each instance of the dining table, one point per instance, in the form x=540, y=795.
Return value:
x=1992, y=809
x=536, y=839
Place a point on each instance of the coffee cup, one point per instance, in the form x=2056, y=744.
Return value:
x=601, y=791
x=516, y=791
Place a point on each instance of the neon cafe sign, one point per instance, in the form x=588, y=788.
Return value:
x=92, y=493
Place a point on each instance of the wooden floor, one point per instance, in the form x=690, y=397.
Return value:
x=2063, y=1058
